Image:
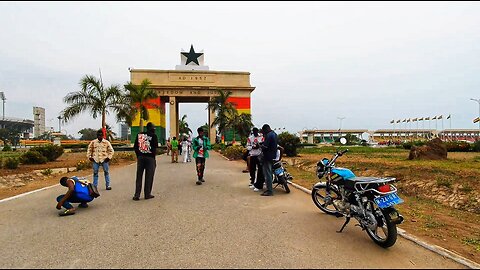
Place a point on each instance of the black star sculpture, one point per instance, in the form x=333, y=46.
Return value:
x=192, y=56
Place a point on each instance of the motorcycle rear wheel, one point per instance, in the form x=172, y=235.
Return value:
x=322, y=201
x=388, y=234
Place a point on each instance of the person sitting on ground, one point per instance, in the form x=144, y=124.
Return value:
x=78, y=192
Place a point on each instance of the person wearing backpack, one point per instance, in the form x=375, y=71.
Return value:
x=78, y=192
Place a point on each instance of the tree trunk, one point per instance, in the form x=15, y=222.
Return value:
x=141, y=124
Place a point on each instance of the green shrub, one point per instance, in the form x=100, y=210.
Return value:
x=51, y=152
x=458, y=146
x=218, y=147
x=33, y=157
x=408, y=145
x=84, y=164
x=289, y=142
x=11, y=163
x=47, y=172
x=235, y=152
x=7, y=148
x=476, y=146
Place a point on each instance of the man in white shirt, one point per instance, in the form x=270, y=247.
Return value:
x=253, y=146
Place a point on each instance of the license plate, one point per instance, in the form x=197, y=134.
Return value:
x=388, y=200
x=279, y=171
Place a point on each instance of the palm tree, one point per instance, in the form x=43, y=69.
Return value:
x=240, y=123
x=93, y=97
x=110, y=133
x=183, y=126
x=138, y=99
x=223, y=109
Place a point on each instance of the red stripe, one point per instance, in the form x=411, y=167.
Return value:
x=158, y=101
x=240, y=102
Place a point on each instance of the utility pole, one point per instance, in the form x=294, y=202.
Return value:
x=478, y=101
x=59, y=122
x=2, y=97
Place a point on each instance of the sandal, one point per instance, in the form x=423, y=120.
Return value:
x=67, y=212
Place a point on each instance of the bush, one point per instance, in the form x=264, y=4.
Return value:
x=7, y=148
x=458, y=146
x=11, y=163
x=289, y=142
x=235, y=152
x=33, y=157
x=476, y=146
x=218, y=147
x=408, y=145
x=51, y=152
x=84, y=164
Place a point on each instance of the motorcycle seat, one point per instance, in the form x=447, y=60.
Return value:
x=370, y=179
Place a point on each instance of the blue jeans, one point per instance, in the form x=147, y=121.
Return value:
x=268, y=174
x=96, y=167
x=72, y=199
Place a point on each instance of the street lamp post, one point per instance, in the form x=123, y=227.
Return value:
x=59, y=122
x=478, y=101
x=2, y=97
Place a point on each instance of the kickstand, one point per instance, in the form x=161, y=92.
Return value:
x=344, y=225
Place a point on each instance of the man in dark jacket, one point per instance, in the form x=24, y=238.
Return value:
x=269, y=148
x=145, y=146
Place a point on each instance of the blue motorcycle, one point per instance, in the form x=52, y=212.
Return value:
x=370, y=200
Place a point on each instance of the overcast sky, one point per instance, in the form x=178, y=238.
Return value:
x=310, y=62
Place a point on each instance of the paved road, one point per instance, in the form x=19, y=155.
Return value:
x=221, y=224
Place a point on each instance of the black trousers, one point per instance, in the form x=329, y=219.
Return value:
x=254, y=165
x=200, y=167
x=147, y=164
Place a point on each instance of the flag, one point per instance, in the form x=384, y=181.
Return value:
x=393, y=121
x=440, y=117
x=476, y=120
x=398, y=121
x=449, y=116
x=434, y=118
x=427, y=118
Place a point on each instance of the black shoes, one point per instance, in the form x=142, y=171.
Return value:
x=203, y=180
x=267, y=193
x=109, y=188
x=149, y=197
x=83, y=205
x=136, y=198
x=198, y=182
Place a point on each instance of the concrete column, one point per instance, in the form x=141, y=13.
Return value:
x=212, y=130
x=311, y=138
x=173, y=117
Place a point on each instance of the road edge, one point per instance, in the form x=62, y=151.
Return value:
x=434, y=248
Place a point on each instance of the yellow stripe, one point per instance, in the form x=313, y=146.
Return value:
x=155, y=117
x=240, y=111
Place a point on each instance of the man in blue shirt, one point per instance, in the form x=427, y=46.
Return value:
x=269, y=148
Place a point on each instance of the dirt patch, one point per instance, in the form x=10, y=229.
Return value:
x=428, y=189
x=67, y=160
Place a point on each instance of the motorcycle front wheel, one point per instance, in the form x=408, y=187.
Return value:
x=385, y=233
x=323, y=199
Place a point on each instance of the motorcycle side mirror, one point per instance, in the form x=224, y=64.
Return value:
x=343, y=141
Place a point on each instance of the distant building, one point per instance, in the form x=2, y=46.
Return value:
x=39, y=121
x=124, y=131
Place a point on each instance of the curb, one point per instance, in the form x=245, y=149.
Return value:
x=434, y=248
x=27, y=193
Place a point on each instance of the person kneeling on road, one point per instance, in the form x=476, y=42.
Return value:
x=78, y=192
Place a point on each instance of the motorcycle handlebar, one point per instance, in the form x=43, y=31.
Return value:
x=341, y=153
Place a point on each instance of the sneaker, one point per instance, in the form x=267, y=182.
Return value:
x=136, y=198
x=198, y=182
x=257, y=190
x=67, y=212
x=251, y=186
x=109, y=188
x=267, y=193
x=149, y=197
